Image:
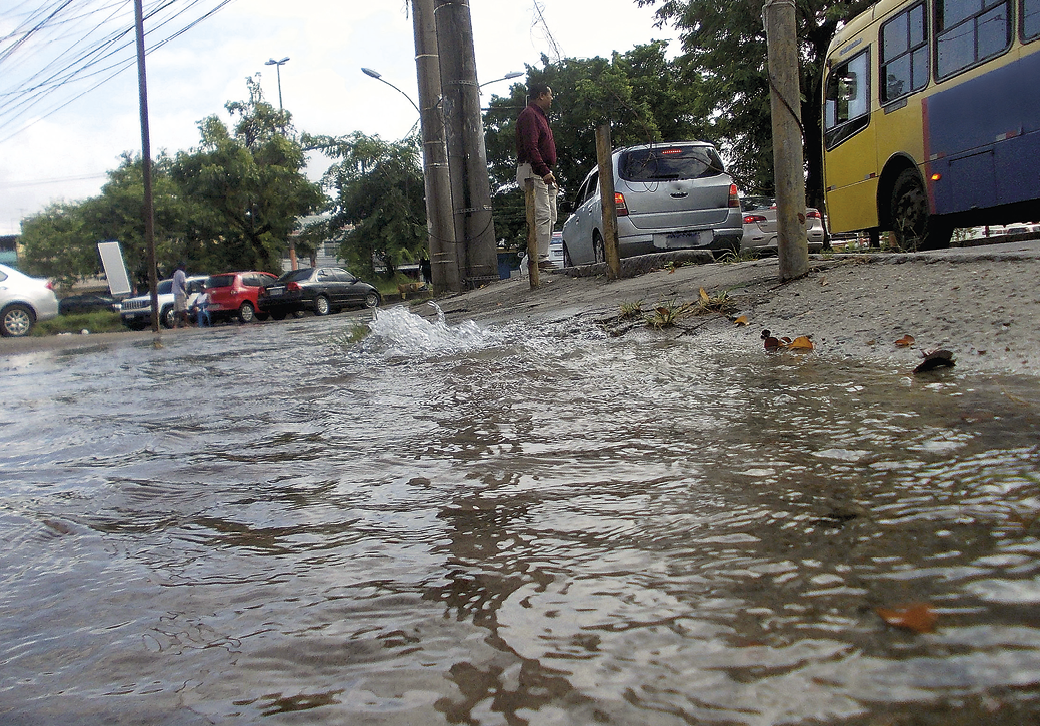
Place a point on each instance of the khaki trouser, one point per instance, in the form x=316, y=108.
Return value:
x=544, y=207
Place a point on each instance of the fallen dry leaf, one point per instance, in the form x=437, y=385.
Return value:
x=905, y=341
x=704, y=295
x=918, y=617
x=802, y=342
x=742, y=320
x=770, y=343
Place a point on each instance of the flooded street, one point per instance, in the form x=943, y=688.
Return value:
x=510, y=525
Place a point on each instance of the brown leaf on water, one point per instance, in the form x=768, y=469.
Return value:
x=906, y=341
x=704, y=296
x=771, y=344
x=918, y=617
x=742, y=320
x=936, y=359
x=802, y=342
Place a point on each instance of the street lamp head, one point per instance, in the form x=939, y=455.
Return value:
x=512, y=75
x=273, y=62
x=372, y=73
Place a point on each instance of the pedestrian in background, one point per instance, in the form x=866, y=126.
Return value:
x=201, y=306
x=536, y=155
x=180, y=296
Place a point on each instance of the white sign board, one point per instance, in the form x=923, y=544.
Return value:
x=115, y=270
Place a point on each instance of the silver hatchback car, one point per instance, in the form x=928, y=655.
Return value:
x=668, y=197
x=24, y=301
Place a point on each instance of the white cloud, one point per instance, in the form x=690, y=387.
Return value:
x=322, y=83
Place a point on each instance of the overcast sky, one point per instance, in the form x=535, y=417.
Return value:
x=64, y=155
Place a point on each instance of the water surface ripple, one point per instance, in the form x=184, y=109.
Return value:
x=522, y=524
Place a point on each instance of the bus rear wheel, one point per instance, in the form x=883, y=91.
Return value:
x=915, y=228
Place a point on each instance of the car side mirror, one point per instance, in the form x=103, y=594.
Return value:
x=566, y=208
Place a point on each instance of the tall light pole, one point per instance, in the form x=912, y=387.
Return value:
x=379, y=77
x=278, y=70
x=507, y=77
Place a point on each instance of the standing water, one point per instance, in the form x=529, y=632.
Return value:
x=510, y=525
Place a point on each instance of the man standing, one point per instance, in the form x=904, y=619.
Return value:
x=536, y=155
x=180, y=297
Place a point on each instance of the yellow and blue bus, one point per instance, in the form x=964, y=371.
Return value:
x=932, y=118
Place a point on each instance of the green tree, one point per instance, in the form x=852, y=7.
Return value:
x=58, y=246
x=378, y=203
x=644, y=97
x=244, y=187
x=724, y=47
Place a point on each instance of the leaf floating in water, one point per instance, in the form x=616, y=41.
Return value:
x=918, y=617
x=742, y=320
x=906, y=341
x=936, y=359
x=802, y=342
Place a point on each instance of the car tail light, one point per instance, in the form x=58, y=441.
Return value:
x=49, y=285
x=812, y=214
x=753, y=218
x=293, y=287
x=734, y=198
x=619, y=203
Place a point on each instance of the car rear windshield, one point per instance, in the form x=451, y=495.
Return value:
x=304, y=273
x=222, y=281
x=669, y=162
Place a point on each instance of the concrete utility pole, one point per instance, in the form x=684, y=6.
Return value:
x=444, y=255
x=778, y=17
x=464, y=135
x=146, y=167
x=605, y=155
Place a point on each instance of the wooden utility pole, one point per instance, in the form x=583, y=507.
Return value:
x=146, y=167
x=444, y=257
x=464, y=136
x=604, y=155
x=788, y=168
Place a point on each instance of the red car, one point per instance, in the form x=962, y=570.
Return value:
x=233, y=295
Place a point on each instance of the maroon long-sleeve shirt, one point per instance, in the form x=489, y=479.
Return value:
x=534, y=140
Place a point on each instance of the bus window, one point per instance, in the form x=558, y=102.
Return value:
x=904, y=54
x=970, y=31
x=848, y=96
x=1030, y=19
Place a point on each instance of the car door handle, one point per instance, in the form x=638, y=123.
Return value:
x=680, y=195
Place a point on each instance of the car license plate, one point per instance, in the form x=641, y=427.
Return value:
x=679, y=240
x=275, y=291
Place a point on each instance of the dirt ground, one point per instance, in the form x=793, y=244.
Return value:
x=982, y=304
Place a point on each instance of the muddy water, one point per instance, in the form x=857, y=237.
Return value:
x=509, y=525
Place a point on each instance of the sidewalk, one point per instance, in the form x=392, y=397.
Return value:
x=981, y=303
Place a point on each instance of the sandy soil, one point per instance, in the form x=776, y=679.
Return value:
x=982, y=304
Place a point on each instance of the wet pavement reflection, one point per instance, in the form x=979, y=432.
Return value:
x=522, y=524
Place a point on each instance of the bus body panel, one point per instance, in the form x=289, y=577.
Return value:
x=982, y=137
x=978, y=132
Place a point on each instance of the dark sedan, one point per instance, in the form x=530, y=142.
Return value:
x=321, y=290
x=87, y=303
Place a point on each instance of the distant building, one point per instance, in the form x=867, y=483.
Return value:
x=9, y=250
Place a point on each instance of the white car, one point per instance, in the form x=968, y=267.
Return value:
x=136, y=312
x=24, y=301
x=760, y=226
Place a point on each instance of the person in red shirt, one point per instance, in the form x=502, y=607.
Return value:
x=536, y=155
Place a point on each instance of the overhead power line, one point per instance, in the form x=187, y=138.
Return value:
x=63, y=50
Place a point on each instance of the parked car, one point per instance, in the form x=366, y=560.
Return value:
x=321, y=290
x=136, y=312
x=668, y=196
x=760, y=226
x=234, y=295
x=88, y=302
x=24, y=301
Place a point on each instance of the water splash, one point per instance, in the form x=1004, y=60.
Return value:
x=397, y=332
